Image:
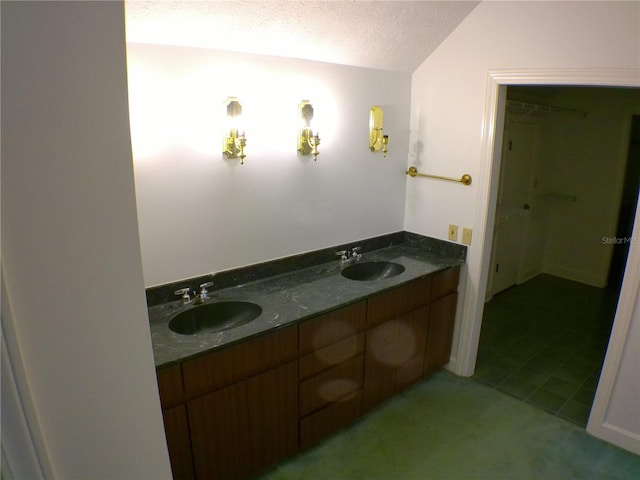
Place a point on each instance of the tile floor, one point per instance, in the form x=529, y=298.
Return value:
x=452, y=428
x=544, y=342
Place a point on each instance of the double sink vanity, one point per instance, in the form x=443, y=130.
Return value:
x=254, y=373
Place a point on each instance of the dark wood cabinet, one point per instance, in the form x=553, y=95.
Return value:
x=273, y=415
x=394, y=355
x=178, y=442
x=176, y=426
x=393, y=303
x=331, y=371
x=409, y=335
x=396, y=340
x=219, y=425
x=225, y=366
x=244, y=428
x=442, y=316
x=234, y=412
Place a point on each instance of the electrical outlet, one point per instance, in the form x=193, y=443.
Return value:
x=466, y=236
x=453, y=233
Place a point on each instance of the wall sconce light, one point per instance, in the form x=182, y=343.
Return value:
x=234, y=140
x=377, y=141
x=307, y=141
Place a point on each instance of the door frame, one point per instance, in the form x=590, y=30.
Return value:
x=476, y=284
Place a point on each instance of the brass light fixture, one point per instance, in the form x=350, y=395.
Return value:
x=307, y=141
x=235, y=140
x=377, y=141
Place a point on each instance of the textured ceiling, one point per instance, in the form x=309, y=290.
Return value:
x=386, y=35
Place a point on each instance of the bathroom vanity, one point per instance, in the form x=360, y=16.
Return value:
x=325, y=350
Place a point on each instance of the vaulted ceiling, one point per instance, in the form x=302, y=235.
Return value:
x=385, y=35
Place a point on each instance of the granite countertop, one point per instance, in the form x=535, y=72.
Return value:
x=288, y=298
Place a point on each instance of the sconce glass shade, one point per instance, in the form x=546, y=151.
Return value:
x=307, y=141
x=377, y=141
x=234, y=140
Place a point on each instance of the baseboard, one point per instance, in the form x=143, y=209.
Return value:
x=580, y=276
x=617, y=436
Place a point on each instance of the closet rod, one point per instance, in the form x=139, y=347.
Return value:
x=536, y=107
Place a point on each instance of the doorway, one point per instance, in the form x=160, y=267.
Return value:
x=552, y=298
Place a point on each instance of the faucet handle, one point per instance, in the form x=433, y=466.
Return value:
x=184, y=292
x=343, y=255
x=355, y=250
x=203, y=289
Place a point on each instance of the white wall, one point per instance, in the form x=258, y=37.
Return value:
x=71, y=255
x=449, y=91
x=201, y=213
x=584, y=157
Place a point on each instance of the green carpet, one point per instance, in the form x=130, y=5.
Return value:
x=448, y=427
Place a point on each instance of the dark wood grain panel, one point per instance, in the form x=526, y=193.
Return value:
x=398, y=301
x=440, y=333
x=326, y=421
x=219, y=425
x=331, y=355
x=331, y=385
x=394, y=356
x=170, y=385
x=178, y=442
x=226, y=366
x=445, y=282
x=332, y=327
x=273, y=415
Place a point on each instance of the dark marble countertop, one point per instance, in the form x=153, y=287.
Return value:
x=289, y=298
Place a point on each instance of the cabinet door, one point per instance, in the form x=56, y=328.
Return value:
x=178, y=442
x=440, y=333
x=394, y=356
x=273, y=415
x=412, y=349
x=219, y=424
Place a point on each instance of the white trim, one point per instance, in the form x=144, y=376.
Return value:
x=479, y=255
x=616, y=435
x=629, y=292
x=25, y=435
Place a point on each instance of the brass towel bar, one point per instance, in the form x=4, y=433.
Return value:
x=465, y=179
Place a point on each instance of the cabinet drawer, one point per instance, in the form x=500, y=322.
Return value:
x=324, y=422
x=445, y=282
x=331, y=385
x=331, y=355
x=332, y=327
x=224, y=367
x=398, y=301
x=170, y=385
